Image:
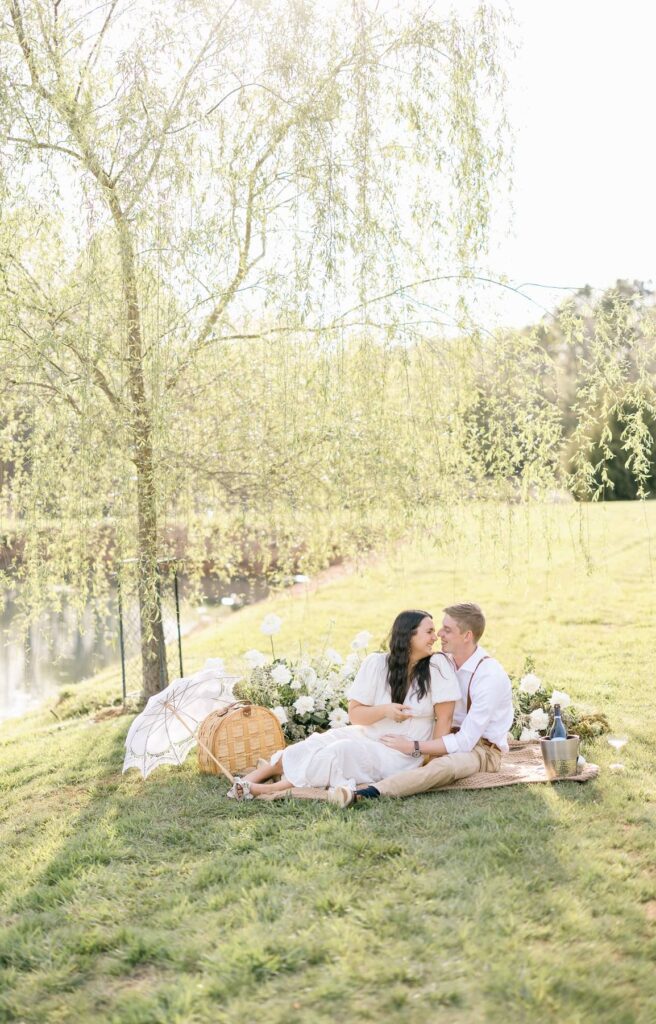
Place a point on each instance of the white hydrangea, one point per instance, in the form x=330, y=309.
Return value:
x=559, y=697
x=529, y=734
x=281, y=714
x=362, y=640
x=530, y=683
x=538, y=719
x=338, y=717
x=304, y=705
x=255, y=658
x=271, y=624
x=281, y=675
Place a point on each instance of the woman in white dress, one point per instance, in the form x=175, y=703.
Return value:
x=407, y=692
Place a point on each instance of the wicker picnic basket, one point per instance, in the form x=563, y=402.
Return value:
x=238, y=737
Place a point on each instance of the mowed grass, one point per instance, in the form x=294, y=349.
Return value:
x=137, y=902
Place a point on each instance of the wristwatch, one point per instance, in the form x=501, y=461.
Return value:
x=416, y=752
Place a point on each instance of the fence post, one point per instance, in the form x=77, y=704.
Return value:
x=121, y=639
x=177, y=617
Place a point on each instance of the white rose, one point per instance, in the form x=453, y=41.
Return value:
x=280, y=714
x=362, y=640
x=538, y=719
x=338, y=717
x=271, y=624
x=529, y=734
x=255, y=658
x=530, y=683
x=306, y=675
x=334, y=657
x=281, y=675
x=558, y=697
x=304, y=705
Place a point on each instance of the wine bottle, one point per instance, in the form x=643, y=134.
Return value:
x=558, y=730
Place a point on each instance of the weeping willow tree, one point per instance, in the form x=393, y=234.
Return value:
x=196, y=195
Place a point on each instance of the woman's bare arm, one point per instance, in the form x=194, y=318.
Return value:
x=367, y=714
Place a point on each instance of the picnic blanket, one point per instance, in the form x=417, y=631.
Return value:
x=522, y=764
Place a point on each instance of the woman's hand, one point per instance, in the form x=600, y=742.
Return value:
x=397, y=712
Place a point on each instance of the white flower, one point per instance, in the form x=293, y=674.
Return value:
x=281, y=675
x=300, y=577
x=529, y=734
x=558, y=697
x=280, y=714
x=296, y=683
x=307, y=676
x=538, y=719
x=255, y=658
x=271, y=624
x=352, y=664
x=338, y=717
x=304, y=705
x=334, y=657
x=530, y=683
x=361, y=641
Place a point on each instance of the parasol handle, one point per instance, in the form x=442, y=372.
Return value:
x=209, y=753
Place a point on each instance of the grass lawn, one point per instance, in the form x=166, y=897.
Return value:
x=139, y=902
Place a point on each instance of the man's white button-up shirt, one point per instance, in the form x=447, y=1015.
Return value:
x=491, y=712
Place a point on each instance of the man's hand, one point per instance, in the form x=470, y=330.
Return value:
x=398, y=712
x=399, y=743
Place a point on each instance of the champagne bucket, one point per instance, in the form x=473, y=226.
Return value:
x=560, y=757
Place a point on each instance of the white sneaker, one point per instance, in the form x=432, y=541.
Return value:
x=342, y=796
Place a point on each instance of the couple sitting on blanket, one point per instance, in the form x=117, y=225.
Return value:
x=419, y=720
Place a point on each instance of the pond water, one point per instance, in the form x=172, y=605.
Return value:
x=66, y=647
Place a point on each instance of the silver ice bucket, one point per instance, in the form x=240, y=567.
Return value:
x=560, y=757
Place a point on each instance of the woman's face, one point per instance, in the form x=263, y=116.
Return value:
x=423, y=639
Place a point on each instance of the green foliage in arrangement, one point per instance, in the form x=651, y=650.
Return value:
x=161, y=901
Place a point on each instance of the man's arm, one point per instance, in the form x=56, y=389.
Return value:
x=430, y=748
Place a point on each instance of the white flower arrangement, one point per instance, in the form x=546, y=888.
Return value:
x=307, y=694
x=534, y=702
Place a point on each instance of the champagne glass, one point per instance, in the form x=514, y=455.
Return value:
x=617, y=742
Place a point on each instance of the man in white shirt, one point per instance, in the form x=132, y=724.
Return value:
x=482, y=717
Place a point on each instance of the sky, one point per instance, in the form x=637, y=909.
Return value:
x=581, y=96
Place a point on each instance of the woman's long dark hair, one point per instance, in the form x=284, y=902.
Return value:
x=403, y=629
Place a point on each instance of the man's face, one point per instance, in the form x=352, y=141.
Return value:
x=453, y=640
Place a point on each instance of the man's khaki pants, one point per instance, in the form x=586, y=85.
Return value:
x=441, y=771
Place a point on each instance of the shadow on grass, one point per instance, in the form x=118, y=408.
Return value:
x=163, y=901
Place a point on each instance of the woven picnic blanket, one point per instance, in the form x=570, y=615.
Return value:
x=522, y=764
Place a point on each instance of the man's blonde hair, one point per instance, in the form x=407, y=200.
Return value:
x=468, y=616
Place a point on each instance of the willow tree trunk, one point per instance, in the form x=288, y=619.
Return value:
x=65, y=102
x=153, y=649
